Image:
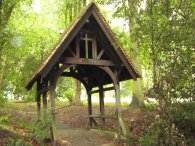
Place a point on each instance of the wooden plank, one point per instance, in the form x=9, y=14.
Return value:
x=95, y=116
x=71, y=51
x=45, y=85
x=78, y=77
x=89, y=109
x=94, y=48
x=77, y=47
x=86, y=47
x=104, y=89
x=86, y=39
x=94, y=122
x=103, y=116
x=118, y=107
x=55, y=74
x=38, y=98
x=52, y=97
x=101, y=99
x=100, y=54
x=84, y=61
x=100, y=36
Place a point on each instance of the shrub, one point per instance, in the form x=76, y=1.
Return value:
x=3, y=100
x=162, y=133
x=14, y=142
x=41, y=128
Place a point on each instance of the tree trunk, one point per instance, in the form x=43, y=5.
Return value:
x=138, y=98
x=77, y=92
x=76, y=83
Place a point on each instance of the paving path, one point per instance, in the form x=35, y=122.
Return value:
x=81, y=137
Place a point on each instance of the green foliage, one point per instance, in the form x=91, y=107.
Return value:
x=126, y=89
x=28, y=31
x=161, y=133
x=184, y=118
x=165, y=35
x=3, y=100
x=4, y=119
x=64, y=89
x=16, y=142
x=41, y=128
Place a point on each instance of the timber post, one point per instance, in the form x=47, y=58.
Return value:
x=52, y=100
x=101, y=99
x=89, y=108
x=52, y=97
x=45, y=86
x=38, y=98
x=118, y=107
x=44, y=96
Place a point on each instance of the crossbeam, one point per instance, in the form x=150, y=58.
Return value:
x=104, y=89
x=86, y=61
x=103, y=116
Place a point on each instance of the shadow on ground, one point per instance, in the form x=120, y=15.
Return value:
x=70, y=136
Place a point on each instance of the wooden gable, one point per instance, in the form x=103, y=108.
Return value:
x=86, y=44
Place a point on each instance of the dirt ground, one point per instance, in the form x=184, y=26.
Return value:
x=76, y=130
x=70, y=136
x=72, y=124
x=72, y=127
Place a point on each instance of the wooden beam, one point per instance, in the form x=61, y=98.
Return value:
x=43, y=89
x=55, y=75
x=89, y=109
x=44, y=102
x=77, y=47
x=100, y=54
x=101, y=98
x=84, y=61
x=45, y=85
x=38, y=98
x=94, y=48
x=104, y=89
x=71, y=51
x=86, y=46
x=86, y=39
x=52, y=97
x=103, y=116
x=64, y=44
x=94, y=122
x=78, y=77
x=103, y=41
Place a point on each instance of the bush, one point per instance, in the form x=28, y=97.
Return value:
x=184, y=118
x=3, y=100
x=41, y=128
x=14, y=142
x=162, y=133
x=3, y=119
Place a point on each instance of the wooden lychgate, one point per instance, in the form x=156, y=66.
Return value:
x=87, y=51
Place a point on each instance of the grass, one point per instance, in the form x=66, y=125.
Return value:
x=16, y=118
x=15, y=123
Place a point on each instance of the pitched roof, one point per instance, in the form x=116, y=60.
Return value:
x=71, y=32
